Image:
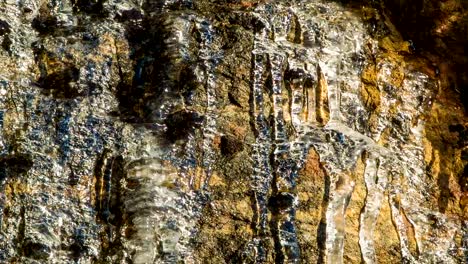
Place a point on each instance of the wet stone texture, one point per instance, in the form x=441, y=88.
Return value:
x=202, y=131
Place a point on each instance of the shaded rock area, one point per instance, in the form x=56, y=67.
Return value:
x=437, y=29
x=226, y=131
x=438, y=32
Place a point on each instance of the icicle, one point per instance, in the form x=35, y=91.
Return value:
x=376, y=181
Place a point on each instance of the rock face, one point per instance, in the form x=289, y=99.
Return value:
x=179, y=131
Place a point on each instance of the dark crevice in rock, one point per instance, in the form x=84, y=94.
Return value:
x=73, y=178
x=57, y=78
x=129, y=15
x=103, y=186
x=6, y=43
x=115, y=204
x=230, y=145
x=145, y=36
x=182, y=123
x=16, y=164
x=78, y=247
x=4, y=28
x=462, y=132
x=233, y=100
x=61, y=84
x=281, y=202
x=464, y=155
x=187, y=84
x=116, y=217
x=90, y=7
x=463, y=179
x=45, y=24
x=36, y=250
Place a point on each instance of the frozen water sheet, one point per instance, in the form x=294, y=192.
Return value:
x=328, y=116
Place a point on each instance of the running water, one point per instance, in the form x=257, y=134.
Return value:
x=210, y=57
x=310, y=108
x=326, y=112
x=216, y=171
x=164, y=202
x=306, y=93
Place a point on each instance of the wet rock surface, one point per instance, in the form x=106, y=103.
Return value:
x=181, y=131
